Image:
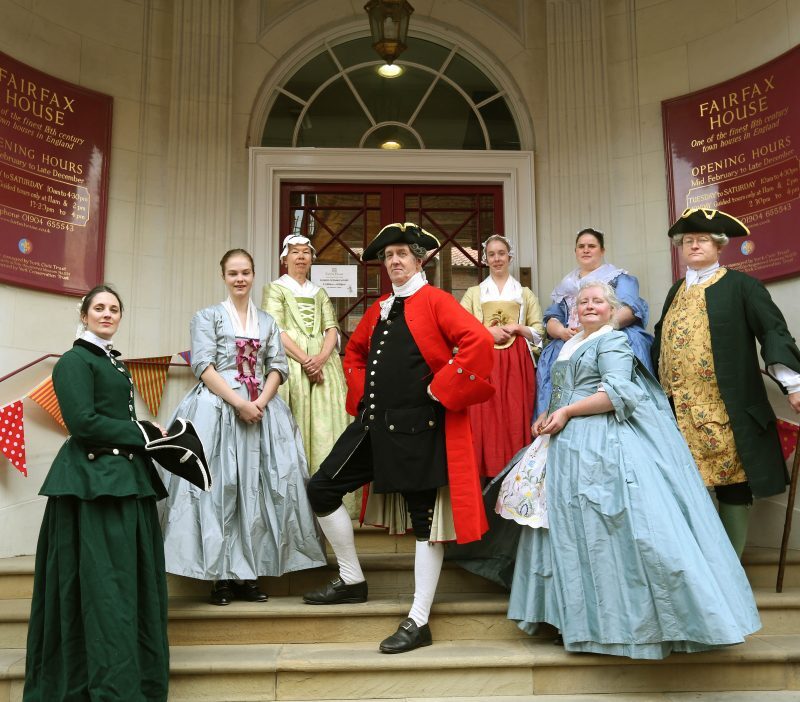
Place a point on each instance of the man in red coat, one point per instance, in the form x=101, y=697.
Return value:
x=415, y=362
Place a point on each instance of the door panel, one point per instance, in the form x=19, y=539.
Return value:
x=341, y=219
x=461, y=218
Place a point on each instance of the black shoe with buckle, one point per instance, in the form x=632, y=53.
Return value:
x=407, y=637
x=337, y=592
x=248, y=591
x=221, y=593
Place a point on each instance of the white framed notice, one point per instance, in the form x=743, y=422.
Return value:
x=338, y=281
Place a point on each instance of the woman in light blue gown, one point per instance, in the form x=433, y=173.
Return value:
x=561, y=318
x=634, y=560
x=256, y=521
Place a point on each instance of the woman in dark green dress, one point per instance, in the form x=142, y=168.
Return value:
x=98, y=625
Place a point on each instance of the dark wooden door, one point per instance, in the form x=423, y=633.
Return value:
x=342, y=218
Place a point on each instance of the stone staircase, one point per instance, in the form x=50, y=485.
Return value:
x=285, y=650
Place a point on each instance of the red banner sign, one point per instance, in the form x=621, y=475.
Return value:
x=55, y=141
x=734, y=147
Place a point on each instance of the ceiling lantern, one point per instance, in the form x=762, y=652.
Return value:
x=388, y=23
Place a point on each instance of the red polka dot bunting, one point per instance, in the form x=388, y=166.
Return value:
x=12, y=435
x=787, y=431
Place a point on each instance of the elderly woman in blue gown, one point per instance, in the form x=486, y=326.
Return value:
x=622, y=549
x=561, y=319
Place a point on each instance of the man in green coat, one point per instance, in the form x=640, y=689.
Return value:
x=709, y=367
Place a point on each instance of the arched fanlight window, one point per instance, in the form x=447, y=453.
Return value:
x=440, y=100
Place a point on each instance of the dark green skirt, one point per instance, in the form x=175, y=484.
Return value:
x=98, y=625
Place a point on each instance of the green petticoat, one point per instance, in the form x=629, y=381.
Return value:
x=98, y=625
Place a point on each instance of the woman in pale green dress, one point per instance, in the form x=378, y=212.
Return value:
x=316, y=390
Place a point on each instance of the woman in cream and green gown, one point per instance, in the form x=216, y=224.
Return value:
x=316, y=390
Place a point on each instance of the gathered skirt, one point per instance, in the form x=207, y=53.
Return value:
x=501, y=426
x=256, y=520
x=98, y=624
x=635, y=561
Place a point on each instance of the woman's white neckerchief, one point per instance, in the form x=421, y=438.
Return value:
x=250, y=330
x=512, y=290
x=307, y=289
x=573, y=344
x=407, y=289
x=569, y=286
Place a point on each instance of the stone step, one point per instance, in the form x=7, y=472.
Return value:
x=472, y=669
x=761, y=565
x=389, y=572
x=287, y=620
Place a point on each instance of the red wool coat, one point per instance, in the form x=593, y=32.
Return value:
x=458, y=350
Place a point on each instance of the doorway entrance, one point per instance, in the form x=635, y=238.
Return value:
x=342, y=218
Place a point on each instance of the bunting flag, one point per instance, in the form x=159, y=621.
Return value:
x=788, y=435
x=186, y=356
x=12, y=435
x=45, y=396
x=149, y=376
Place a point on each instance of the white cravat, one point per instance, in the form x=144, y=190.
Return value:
x=788, y=378
x=407, y=289
x=694, y=277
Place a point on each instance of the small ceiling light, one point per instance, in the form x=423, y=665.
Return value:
x=390, y=70
x=388, y=24
x=391, y=145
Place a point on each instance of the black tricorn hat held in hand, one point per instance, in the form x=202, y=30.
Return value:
x=180, y=451
x=699, y=221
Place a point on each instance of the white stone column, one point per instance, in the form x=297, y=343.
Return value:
x=578, y=126
x=199, y=160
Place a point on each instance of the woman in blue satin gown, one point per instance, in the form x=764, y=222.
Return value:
x=256, y=520
x=634, y=560
x=561, y=318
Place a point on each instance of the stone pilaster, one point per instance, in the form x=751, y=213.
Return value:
x=578, y=126
x=199, y=160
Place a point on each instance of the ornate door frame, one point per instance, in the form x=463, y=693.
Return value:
x=271, y=166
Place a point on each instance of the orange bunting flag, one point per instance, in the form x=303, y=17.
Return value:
x=45, y=396
x=12, y=435
x=149, y=376
x=787, y=431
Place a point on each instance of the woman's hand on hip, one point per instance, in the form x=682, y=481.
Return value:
x=794, y=401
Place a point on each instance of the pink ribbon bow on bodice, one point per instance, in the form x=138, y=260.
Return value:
x=246, y=351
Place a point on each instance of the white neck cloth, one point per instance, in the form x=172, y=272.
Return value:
x=307, y=289
x=407, y=289
x=250, y=330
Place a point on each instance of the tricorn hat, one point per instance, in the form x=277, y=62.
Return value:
x=699, y=221
x=406, y=233
x=180, y=451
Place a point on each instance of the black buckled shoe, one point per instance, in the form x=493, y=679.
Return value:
x=337, y=592
x=248, y=591
x=221, y=593
x=407, y=637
